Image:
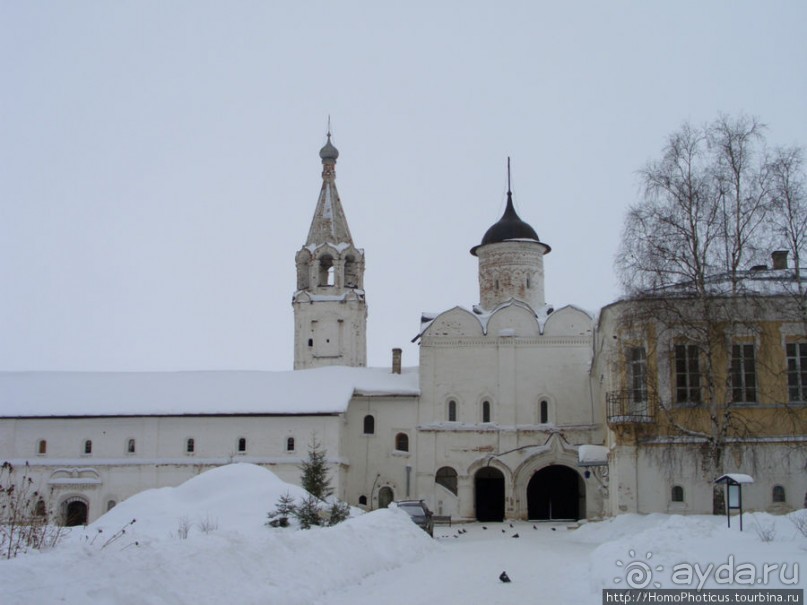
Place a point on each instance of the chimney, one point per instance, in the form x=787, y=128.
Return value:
x=779, y=258
x=396, y=361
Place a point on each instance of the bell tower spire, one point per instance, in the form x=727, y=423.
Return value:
x=330, y=312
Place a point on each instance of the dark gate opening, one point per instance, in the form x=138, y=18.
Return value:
x=75, y=513
x=556, y=492
x=489, y=490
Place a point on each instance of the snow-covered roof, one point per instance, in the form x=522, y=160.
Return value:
x=734, y=478
x=764, y=282
x=542, y=315
x=316, y=391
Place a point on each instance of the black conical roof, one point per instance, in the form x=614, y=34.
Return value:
x=509, y=227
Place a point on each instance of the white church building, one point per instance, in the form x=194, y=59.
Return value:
x=503, y=417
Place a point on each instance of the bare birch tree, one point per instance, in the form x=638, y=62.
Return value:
x=707, y=210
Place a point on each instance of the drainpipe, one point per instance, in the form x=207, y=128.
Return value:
x=408, y=478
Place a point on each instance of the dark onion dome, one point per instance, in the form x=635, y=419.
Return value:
x=329, y=152
x=509, y=227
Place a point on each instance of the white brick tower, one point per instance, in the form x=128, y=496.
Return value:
x=511, y=261
x=330, y=313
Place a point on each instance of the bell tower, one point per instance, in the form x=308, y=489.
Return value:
x=330, y=312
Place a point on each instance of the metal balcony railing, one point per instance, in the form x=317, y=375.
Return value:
x=630, y=407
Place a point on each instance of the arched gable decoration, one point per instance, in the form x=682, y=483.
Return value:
x=569, y=321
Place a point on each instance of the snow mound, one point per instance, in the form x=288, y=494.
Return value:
x=663, y=543
x=241, y=561
x=233, y=497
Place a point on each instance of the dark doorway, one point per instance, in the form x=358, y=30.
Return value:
x=75, y=513
x=385, y=497
x=556, y=492
x=489, y=487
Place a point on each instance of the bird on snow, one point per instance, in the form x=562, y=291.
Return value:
x=511, y=525
x=534, y=527
x=504, y=577
x=553, y=529
x=503, y=531
x=514, y=536
x=483, y=527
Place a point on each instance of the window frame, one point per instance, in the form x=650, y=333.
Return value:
x=686, y=368
x=368, y=422
x=743, y=373
x=451, y=410
x=543, y=411
x=402, y=438
x=636, y=362
x=796, y=366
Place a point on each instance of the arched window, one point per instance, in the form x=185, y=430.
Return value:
x=326, y=271
x=290, y=444
x=242, y=445
x=351, y=272
x=88, y=446
x=369, y=424
x=452, y=410
x=42, y=447
x=190, y=445
x=778, y=493
x=110, y=505
x=544, y=412
x=447, y=477
x=486, y=411
x=130, y=446
x=41, y=509
x=402, y=442
x=677, y=493
x=363, y=500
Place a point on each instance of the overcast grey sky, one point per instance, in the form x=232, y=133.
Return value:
x=159, y=160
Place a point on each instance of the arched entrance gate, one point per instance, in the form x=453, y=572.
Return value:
x=556, y=492
x=489, y=494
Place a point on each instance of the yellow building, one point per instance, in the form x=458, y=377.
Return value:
x=698, y=385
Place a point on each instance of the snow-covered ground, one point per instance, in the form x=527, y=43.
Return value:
x=230, y=556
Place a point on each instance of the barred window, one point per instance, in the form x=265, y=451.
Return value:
x=687, y=374
x=402, y=442
x=797, y=371
x=743, y=374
